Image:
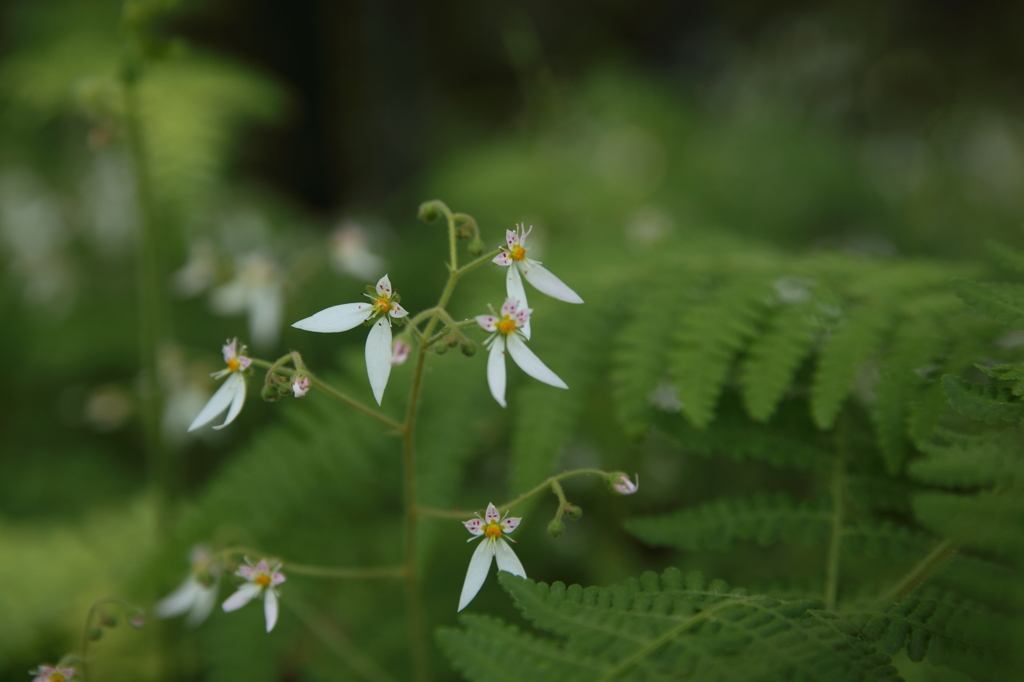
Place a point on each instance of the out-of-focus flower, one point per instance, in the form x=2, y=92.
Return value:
x=350, y=254
x=492, y=528
x=261, y=582
x=196, y=596
x=52, y=673
x=256, y=290
x=508, y=334
x=514, y=258
x=199, y=272
x=231, y=394
x=400, y=352
x=347, y=316
x=622, y=484
x=300, y=386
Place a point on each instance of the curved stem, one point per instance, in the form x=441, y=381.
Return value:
x=551, y=481
x=336, y=394
x=925, y=568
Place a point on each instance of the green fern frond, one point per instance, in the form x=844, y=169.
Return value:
x=719, y=524
x=853, y=342
x=1006, y=256
x=914, y=347
x=971, y=461
x=707, y=340
x=997, y=301
x=671, y=627
x=990, y=404
x=884, y=539
x=1014, y=373
x=774, y=357
x=992, y=522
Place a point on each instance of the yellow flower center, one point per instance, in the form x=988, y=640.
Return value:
x=263, y=580
x=383, y=305
x=517, y=253
x=507, y=325
x=493, y=530
x=57, y=677
x=234, y=364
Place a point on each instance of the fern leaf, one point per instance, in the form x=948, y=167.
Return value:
x=775, y=356
x=988, y=521
x=1014, y=373
x=997, y=301
x=990, y=404
x=1004, y=255
x=669, y=627
x=721, y=523
x=915, y=345
x=708, y=338
x=971, y=461
x=852, y=344
x=487, y=650
x=884, y=539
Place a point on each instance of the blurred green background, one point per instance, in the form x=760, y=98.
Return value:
x=290, y=145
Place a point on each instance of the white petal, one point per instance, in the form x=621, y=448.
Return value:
x=479, y=565
x=489, y=323
x=397, y=311
x=230, y=298
x=492, y=513
x=224, y=396
x=546, y=283
x=245, y=594
x=515, y=290
x=270, y=609
x=338, y=318
x=203, y=606
x=502, y=259
x=378, y=357
x=507, y=559
x=384, y=287
x=266, y=307
x=531, y=364
x=179, y=601
x=496, y=369
x=238, y=381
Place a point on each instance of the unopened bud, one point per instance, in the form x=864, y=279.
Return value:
x=621, y=484
x=429, y=211
x=400, y=352
x=440, y=348
x=300, y=386
x=108, y=621
x=469, y=349
x=270, y=394
x=476, y=246
x=573, y=512
x=138, y=622
x=95, y=634
x=556, y=528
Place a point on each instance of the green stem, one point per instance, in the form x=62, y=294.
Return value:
x=150, y=301
x=336, y=394
x=345, y=573
x=337, y=642
x=942, y=551
x=445, y=332
x=93, y=608
x=473, y=264
x=836, y=540
x=540, y=487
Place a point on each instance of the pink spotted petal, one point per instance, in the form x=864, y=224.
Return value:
x=397, y=311
x=384, y=287
x=488, y=323
x=244, y=362
x=474, y=526
x=276, y=579
x=262, y=566
x=230, y=349
x=492, y=515
x=502, y=259
x=509, y=524
x=512, y=238
x=509, y=307
x=523, y=316
x=247, y=572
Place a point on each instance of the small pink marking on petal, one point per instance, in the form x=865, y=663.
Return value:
x=511, y=237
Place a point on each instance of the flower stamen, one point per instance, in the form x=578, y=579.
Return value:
x=234, y=364
x=507, y=325
x=517, y=253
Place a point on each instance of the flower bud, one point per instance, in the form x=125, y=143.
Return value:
x=573, y=512
x=400, y=352
x=620, y=483
x=270, y=394
x=429, y=211
x=138, y=622
x=469, y=349
x=300, y=386
x=440, y=348
x=476, y=246
x=95, y=634
x=108, y=621
x=556, y=528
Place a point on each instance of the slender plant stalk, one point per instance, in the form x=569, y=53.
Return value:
x=337, y=642
x=939, y=554
x=345, y=573
x=836, y=540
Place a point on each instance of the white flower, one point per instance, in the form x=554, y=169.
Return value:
x=519, y=266
x=347, y=316
x=257, y=291
x=300, y=387
x=623, y=486
x=350, y=254
x=231, y=393
x=261, y=582
x=508, y=330
x=492, y=529
x=51, y=673
x=197, y=595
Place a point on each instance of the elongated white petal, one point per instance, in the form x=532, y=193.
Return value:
x=338, y=318
x=204, y=604
x=546, y=283
x=238, y=381
x=378, y=357
x=507, y=559
x=219, y=402
x=270, y=609
x=531, y=364
x=516, y=291
x=179, y=601
x=479, y=565
x=496, y=369
x=245, y=594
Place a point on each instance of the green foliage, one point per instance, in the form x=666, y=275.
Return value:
x=1001, y=302
x=990, y=404
x=664, y=627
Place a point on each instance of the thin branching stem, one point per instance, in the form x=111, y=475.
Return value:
x=919, y=573
x=539, y=488
x=336, y=641
x=307, y=569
